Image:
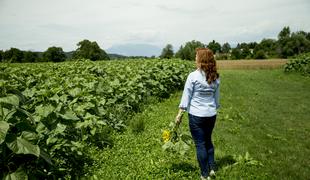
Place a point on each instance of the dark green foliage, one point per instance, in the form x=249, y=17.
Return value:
x=236, y=53
x=1, y=55
x=54, y=54
x=288, y=44
x=90, y=50
x=242, y=51
x=284, y=33
x=226, y=47
x=292, y=43
x=300, y=63
x=260, y=54
x=299, y=42
x=252, y=45
x=214, y=46
x=246, y=53
x=13, y=55
x=167, y=52
x=30, y=56
x=188, y=52
x=269, y=46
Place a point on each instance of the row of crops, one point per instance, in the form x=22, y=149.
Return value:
x=51, y=112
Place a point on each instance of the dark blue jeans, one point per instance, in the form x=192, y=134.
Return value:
x=201, y=130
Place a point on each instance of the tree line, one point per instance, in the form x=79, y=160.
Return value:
x=86, y=49
x=287, y=44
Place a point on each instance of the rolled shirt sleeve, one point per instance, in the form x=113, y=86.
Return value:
x=187, y=93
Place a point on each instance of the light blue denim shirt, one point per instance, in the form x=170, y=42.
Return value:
x=199, y=97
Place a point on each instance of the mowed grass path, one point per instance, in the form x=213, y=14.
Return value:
x=264, y=113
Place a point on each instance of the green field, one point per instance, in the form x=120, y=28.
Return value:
x=261, y=132
x=104, y=120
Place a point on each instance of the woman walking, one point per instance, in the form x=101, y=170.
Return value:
x=201, y=100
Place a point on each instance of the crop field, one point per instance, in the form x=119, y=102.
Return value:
x=251, y=64
x=50, y=112
x=104, y=120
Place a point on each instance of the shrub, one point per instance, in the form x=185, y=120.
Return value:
x=299, y=63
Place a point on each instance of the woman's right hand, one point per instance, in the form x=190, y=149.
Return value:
x=178, y=118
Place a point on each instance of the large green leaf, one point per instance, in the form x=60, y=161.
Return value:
x=44, y=111
x=29, y=136
x=181, y=147
x=17, y=175
x=10, y=99
x=74, y=92
x=55, y=98
x=69, y=115
x=63, y=98
x=22, y=146
x=168, y=145
x=4, y=127
x=6, y=114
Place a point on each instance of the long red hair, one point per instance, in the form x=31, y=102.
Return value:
x=206, y=62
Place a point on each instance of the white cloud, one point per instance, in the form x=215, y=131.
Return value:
x=38, y=24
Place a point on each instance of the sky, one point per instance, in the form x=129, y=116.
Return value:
x=38, y=24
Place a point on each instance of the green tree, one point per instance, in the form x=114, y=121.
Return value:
x=236, y=53
x=252, y=45
x=226, y=47
x=260, y=54
x=284, y=44
x=1, y=55
x=54, y=54
x=90, y=50
x=299, y=43
x=269, y=46
x=214, y=46
x=179, y=53
x=245, y=53
x=243, y=46
x=308, y=36
x=167, y=52
x=13, y=55
x=189, y=50
x=284, y=33
x=30, y=56
x=290, y=44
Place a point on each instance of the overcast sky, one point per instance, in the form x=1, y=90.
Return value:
x=39, y=24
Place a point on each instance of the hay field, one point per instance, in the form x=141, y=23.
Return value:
x=251, y=64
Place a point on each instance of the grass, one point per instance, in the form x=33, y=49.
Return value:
x=261, y=132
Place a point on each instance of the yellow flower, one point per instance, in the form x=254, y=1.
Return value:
x=166, y=135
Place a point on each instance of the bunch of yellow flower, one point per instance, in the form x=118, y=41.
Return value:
x=166, y=135
x=174, y=140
